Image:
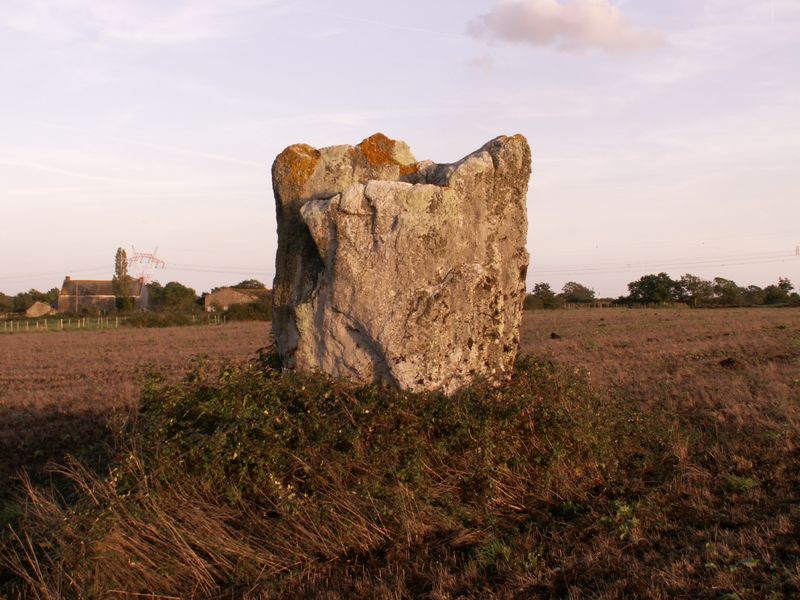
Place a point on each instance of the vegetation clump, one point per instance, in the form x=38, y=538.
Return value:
x=265, y=482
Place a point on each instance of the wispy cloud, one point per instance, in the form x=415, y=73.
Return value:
x=135, y=21
x=574, y=25
x=36, y=166
x=484, y=63
x=198, y=154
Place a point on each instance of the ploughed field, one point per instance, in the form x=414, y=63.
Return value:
x=724, y=365
x=58, y=389
x=698, y=410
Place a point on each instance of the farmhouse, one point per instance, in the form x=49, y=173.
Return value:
x=78, y=294
x=224, y=298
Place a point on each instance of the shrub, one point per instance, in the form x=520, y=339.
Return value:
x=260, y=310
x=260, y=482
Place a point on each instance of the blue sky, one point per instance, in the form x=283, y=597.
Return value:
x=665, y=135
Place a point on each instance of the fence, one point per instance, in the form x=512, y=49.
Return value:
x=87, y=323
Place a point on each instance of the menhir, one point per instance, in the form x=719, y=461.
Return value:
x=401, y=272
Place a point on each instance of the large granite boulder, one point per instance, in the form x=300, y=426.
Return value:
x=401, y=272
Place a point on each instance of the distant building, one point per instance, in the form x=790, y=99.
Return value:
x=223, y=298
x=78, y=294
x=39, y=309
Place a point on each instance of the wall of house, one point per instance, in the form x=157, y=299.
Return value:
x=102, y=303
x=222, y=299
x=143, y=301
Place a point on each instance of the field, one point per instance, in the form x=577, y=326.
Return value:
x=687, y=361
x=672, y=468
x=58, y=389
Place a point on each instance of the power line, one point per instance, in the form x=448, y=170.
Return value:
x=687, y=260
x=729, y=260
x=54, y=273
x=175, y=267
x=214, y=269
x=639, y=268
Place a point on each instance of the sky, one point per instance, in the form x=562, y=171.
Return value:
x=665, y=135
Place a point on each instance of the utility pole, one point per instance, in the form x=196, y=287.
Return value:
x=146, y=262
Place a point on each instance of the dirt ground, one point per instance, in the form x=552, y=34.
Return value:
x=58, y=389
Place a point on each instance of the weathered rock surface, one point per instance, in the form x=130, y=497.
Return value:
x=401, y=272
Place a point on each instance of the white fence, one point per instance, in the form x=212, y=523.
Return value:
x=92, y=323
x=49, y=324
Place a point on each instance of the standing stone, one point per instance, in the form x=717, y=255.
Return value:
x=401, y=272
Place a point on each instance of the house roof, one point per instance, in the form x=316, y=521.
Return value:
x=251, y=292
x=95, y=287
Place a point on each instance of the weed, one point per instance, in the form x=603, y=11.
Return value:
x=739, y=485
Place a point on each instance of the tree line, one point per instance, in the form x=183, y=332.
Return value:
x=660, y=288
x=171, y=296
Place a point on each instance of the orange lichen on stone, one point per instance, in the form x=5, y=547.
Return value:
x=406, y=170
x=294, y=167
x=377, y=149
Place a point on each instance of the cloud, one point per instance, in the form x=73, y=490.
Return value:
x=483, y=63
x=574, y=25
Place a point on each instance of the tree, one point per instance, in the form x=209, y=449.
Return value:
x=6, y=303
x=542, y=296
x=778, y=294
x=727, y=292
x=576, y=293
x=753, y=294
x=23, y=301
x=121, y=281
x=174, y=295
x=654, y=289
x=250, y=284
x=694, y=291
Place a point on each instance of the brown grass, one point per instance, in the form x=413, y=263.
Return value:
x=710, y=508
x=727, y=383
x=58, y=389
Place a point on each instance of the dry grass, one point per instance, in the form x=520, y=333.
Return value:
x=727, y=384
x=58, y=389
x=674, y=472
x=673, y=357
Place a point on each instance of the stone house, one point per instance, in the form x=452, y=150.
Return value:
x=222, y=299
x=39, y=309
x=79, y=294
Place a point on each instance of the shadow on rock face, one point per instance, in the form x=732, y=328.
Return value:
x=401, y=272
